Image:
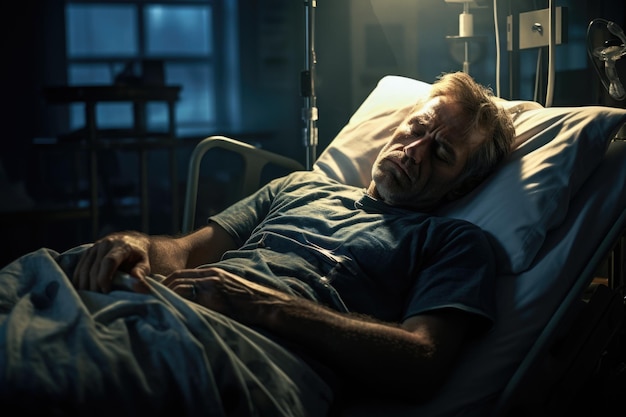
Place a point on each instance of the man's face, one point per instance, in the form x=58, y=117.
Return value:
x=425, y=156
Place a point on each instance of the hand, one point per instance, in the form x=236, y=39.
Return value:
x=119, y=251
x=227, y=293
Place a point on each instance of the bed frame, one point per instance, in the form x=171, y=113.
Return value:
x=581, y=339
x=583, y=342
x=559, y=332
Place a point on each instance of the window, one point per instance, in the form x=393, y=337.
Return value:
x=106, y=38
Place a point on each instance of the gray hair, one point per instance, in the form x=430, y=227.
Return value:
x=487, y=117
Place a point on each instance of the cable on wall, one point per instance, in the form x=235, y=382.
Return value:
x=537, y=75
x=495, y=24
x=551, y=55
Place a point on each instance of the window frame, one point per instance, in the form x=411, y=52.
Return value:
x=221, y=116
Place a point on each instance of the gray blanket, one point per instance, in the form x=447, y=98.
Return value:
x=69, y=352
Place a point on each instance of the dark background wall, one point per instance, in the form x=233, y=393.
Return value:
x=34, y=56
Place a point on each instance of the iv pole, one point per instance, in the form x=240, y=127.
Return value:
x=307, y=85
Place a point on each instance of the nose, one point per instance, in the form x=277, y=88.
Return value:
x=418, y=149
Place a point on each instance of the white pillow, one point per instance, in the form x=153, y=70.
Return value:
x=557, y=148
x=350, y=156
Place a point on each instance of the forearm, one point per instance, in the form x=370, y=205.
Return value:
x=167, y=254
x=203, y=246
x=382, y=358
x=408, y=360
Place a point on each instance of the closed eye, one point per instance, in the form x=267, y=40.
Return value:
x=443, y=151
x=418, y=130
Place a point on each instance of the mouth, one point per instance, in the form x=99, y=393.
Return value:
x=398, y=166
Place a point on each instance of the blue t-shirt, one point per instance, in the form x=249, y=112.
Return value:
x=330, y=242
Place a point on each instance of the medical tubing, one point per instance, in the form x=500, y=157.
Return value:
x=551, y=55
x=498, y=58
x=309, y=112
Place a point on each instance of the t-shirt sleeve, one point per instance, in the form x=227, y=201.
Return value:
x=241, y=218
x=459, y=272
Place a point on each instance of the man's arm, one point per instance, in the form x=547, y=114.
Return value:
x=140, y=255
x=408, y=360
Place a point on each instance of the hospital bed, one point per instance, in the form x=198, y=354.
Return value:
x=555, y=213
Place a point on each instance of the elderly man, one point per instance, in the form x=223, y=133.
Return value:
x=347, y=277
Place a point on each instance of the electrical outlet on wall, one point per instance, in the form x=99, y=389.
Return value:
x=533, y=27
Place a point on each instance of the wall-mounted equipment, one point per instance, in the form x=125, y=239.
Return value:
x=538, y=29
x=466, y=41
x=307, y=85
x=606, y=44
x=533, y=28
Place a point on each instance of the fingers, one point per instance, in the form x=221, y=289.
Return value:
x=198, y=285
x=188, y=274
x=80, y=278
x=189, y=288
x=224, y=292
x=190, y=291
x=202, y=285
x=98, y=264
x=102, y=271
x=141, y=286
x=91, y=267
